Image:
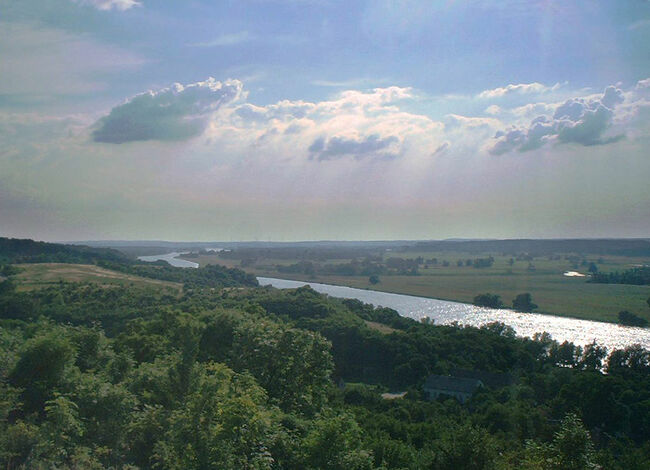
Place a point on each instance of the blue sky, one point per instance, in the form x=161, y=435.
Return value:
x=324, y=119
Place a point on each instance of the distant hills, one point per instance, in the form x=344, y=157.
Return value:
x=541, y=247
x=13, y=250
x=622, y=247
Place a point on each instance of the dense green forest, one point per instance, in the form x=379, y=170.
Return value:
x=16, y=250
x=639, y=276
x=229, y=375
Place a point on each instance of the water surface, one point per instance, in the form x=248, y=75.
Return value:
x=171, y=258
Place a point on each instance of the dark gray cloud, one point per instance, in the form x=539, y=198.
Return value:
x=175, y=113
x=442, y=148
x=335, y=147
x=577, y=120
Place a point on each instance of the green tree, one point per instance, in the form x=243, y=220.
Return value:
x=335, y=443
x=571, y=449
x=626, y=317
x=465, y=447
x=105, y=409
x=40, y=367
x=292, y=365
x=223, y=425
x=488, y=300
x=374, y=279
x=592, y=357
x=523, y=303
x=629, y=361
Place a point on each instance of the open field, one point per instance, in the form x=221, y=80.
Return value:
x=36, y=276
x=553, y=292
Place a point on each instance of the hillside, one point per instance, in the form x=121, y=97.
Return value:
x=15, y=250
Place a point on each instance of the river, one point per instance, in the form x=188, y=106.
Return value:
x=171, y=258
x=443, y=312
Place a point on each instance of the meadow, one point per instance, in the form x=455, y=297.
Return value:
x=40, y=275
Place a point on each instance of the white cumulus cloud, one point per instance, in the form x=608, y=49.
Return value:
x=577, y=120
x=352, y=125
x=521, y=89
x=105, y=5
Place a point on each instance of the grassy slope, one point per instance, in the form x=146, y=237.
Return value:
x=553, y=292
x=34, y=276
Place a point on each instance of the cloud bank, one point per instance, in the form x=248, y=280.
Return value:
x=175, y=113
x=366, y=125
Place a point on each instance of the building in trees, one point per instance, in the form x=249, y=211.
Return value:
x=457, y=387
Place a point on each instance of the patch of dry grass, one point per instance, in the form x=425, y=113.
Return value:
x=37, y=276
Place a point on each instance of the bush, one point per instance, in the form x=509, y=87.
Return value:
x=523, y=303
x=630, y=319
x=488, y=300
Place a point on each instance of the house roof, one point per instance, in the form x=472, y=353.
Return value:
x=490, y=379
x=451, y=384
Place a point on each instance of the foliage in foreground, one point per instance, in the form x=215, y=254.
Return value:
x=96, y=377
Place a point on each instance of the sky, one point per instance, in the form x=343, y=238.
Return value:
x=287, y=120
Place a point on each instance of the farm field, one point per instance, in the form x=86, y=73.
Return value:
x=39, y=275
x=544, y=278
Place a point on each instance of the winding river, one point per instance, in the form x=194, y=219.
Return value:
x=443, y=312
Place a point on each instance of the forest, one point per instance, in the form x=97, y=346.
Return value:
x=636, y=276
x=230, y=375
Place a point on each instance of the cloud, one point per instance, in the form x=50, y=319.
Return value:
x=577, y=120
x=359, y=147
x=353, y=124
x=226, y=40
x=521, y=89
x=106, y=5
x=175, y=113
x=642, y=84
x=442, y=148
x=467, y=122
x=298, y=165
x=532, y=110
x=612, y=97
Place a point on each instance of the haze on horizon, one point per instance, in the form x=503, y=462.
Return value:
x=324, y=120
